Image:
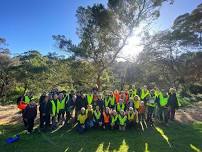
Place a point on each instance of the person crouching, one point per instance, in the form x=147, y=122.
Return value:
x=89, y=121
x=132, y=117
x=81, y=127
x=114, y=120
x=122, y=121
x=106, y=118
x=97, y=117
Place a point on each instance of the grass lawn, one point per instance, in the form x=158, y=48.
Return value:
x=175, y=138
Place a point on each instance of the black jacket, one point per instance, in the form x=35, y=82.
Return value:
x=172, y=101
x=44, y=107
x=80, y=102
x=30, y=111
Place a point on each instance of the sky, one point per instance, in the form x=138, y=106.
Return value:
x=30, y=24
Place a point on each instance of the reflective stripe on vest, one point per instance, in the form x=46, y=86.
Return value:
x=90, y=98
x=53, y=108
x=122, y=120
x=97, y=114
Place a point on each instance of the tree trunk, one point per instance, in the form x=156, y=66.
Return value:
x=98, y=81
x=25, y=90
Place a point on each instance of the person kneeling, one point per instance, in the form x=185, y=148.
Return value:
x=106, y=118
x=81, y=127
x=132, y=117
x=97, y=117
x=89, y=121
x=122, y=121
x=114, y=119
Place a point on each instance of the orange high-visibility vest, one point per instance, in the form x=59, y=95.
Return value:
x=116, y=95
x=106, y=118
x=126, y=97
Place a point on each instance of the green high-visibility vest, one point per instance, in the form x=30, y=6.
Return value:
x=27, y=100
x=122, y=120
x=97, y=114
x=144, y=93
x=134, y=93
x=53, y=107
x=90, y=98
x=60, y=105
x=131, y=116
x=112, y=100
x=120, y=107
x=157, y=93
x=114, y=119
x=107, y=102
x=163, y=101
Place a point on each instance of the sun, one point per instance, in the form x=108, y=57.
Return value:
x=133, y=46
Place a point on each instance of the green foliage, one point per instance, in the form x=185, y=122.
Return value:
x=104, y=31
x=195, y=88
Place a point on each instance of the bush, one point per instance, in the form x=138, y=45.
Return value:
x=195, y=89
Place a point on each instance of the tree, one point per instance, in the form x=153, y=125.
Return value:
x=188, y=28
x=169, y=50
x=6, y=73
x=104, y=31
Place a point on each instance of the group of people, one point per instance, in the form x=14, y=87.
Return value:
x=137, y=107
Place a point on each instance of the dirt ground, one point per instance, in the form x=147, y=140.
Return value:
x=11, y=115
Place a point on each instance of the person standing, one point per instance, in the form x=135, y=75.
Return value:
x=151, y=104
x=61, y=108
x=172, y=103
x=44, y=112
x=53, y=110
x=70, y=105
x=29, y=114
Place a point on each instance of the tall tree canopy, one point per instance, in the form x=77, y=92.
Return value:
x=104, y=31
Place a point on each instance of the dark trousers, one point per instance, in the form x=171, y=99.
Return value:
x=172, y=113
x=166, y=115
x=61, y=115
x=161, y=113
x=131, y=124
x=150, y=114
x=81, y=128
x=68, y=116
x=30, y=125
x=44, y=120
x=106, y=125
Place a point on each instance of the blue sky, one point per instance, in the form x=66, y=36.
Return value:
x=30, y=24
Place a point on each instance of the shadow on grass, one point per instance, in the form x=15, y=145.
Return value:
x=65, y=139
